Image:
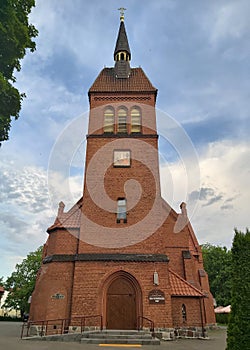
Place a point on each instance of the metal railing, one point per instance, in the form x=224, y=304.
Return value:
x=60, y=326
x=141, y=322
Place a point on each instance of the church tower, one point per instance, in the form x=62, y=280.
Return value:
x=116, y=254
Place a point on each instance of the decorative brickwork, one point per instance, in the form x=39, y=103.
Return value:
x=122, y=98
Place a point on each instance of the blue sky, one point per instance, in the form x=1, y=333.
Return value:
x=196, y=53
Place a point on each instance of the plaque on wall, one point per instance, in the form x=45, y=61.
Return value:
x=57, y=296
x=156, y=296
x=122, y=158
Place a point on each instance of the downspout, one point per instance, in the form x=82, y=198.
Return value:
x=202, y=321
x=73, y=276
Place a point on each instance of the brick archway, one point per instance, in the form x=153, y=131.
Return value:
x=122, y=301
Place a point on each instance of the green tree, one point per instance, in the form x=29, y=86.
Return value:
x=238, y=335
x=218, y=265
x=21, y=283
x=1, y=285
x=16, y=34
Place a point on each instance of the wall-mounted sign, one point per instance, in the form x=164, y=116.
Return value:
x=57, y=296
x=156, y=296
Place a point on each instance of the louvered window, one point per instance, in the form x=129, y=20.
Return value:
x=122, y=121
x=108, y=120
x=135, y=120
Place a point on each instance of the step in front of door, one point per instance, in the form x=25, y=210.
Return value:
x=119, y=337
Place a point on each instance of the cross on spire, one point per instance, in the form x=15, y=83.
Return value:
x=122, y=9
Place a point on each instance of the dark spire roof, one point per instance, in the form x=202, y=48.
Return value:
x=122, y=78
x=122, y=41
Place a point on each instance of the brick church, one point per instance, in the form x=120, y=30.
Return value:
x=121, y=252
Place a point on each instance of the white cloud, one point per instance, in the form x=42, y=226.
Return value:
x=45, y=98
x=224, y=195
x=231, y=21
x=68, y=190
x=25, y=207
x=54, y=22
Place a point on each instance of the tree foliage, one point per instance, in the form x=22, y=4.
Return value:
x=238, y=335
x=21, y=283
x=218, y=265
x=16, y=34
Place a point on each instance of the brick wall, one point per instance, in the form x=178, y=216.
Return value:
x=62, y=242
x=52, y=279
x=92, y=281
x=193, y=312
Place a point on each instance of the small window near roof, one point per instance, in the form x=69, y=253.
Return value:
x=135, y=120
x=122, y=121
x=121, y=210
x=108, y=120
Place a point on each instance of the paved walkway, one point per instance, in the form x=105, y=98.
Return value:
x=10, y=340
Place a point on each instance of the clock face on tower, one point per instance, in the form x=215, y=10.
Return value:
x=122, y=158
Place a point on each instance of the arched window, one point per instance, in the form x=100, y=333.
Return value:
x=184, y=313
x=135, y=120
x=122, y=120
x=108, y=120
x=122, y=56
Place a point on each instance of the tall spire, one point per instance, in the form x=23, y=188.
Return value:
x=122, y=54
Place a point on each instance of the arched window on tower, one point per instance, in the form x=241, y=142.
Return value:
x=122, y=120
x=108, y=120
x=184, y=313
x=135, y=120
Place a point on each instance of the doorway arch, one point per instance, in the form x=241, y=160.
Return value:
x=122, y=301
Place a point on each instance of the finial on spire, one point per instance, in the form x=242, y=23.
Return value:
x=122, y=9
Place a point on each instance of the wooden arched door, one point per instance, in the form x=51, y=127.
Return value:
x=121, y=304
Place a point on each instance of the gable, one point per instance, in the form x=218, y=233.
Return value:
x=180, y=287
x=137, y=82
x=68, y=220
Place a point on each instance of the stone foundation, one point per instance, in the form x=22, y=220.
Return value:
x=175, y=333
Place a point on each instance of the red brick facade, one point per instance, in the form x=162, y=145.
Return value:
x=98, y=263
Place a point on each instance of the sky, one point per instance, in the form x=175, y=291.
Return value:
x=196, y=53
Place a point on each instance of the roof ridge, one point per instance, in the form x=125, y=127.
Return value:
x=75, y=206
x=60, y=221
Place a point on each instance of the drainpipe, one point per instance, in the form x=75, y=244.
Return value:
x=202, y=321
x=73, y=276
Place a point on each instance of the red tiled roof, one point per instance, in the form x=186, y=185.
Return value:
x=137, y=82
x=1, y=289
x=68, y=220
x=180, y=287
